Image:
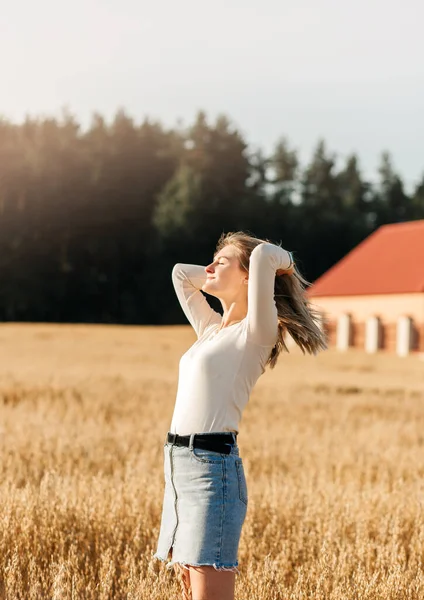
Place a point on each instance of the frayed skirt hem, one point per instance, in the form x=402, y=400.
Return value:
x=186, y=565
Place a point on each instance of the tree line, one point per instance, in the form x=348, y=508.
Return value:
x=92, y=221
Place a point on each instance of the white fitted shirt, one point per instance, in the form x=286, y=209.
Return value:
x=218, y=372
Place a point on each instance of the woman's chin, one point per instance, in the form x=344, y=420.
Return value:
x=207, y=287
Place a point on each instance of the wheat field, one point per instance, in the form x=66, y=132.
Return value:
x=333, y=448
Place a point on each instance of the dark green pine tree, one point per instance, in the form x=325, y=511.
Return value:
x=319, y=186
x=355, y=196
x=390, y=202
x=320, y=223
x=218, y=154
x=418, y=200
x=281, y=211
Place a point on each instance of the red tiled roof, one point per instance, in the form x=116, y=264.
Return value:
x=389, y=261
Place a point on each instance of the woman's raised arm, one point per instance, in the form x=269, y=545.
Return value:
x=262, y=321
x=188, y=281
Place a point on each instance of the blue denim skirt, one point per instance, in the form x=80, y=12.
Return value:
x=204, y=507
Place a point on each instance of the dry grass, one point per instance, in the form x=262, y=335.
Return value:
x=335, y=479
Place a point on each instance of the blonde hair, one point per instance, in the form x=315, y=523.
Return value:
x=295, y=314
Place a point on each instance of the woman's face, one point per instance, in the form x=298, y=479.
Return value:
x=224, y=274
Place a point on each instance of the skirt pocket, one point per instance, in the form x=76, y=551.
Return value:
x=241, y=481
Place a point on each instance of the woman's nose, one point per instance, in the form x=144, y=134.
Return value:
x=209, y=269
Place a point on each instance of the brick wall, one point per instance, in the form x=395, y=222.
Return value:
x=388, y=341
x=330, y=330
x=421, y=338
x=358, y=335
x=388, y=336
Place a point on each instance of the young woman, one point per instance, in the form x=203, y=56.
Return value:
x=205, y=500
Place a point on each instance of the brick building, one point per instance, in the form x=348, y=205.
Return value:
x=374, y=296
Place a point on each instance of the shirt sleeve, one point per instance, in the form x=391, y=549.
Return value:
x=262, y=320
x=187, y=281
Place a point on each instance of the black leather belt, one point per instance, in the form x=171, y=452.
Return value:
x=216, y=442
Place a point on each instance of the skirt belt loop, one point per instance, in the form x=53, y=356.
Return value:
x=191, y=442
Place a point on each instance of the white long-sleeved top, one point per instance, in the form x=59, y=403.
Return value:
x=218, y=372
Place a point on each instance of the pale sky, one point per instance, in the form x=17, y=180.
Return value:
x=351, y=72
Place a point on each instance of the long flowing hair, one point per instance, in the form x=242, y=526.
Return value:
x=296, y=315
